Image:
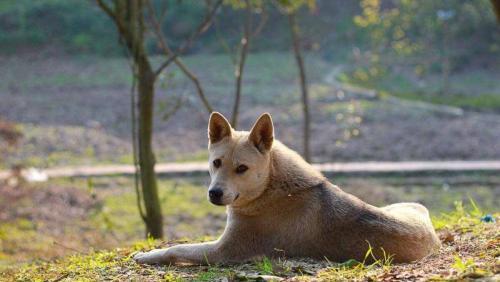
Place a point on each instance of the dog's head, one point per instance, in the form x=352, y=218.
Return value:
x=239, y=160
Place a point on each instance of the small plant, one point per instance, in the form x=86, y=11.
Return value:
x=462, y=266
x=265, y=266
x=384, y=262
x=212, y=273
x=170, y=277
x=462, y=216
x=355, y=270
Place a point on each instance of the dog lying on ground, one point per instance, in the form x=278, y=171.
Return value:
x=279, y=205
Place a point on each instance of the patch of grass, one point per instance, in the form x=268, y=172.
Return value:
x=213, y=273
x=477, y=102
x=103, y=265
x=462, y=265
x=265, y=266
x=346, y=273
x=463, y=216
x=117, y=265
x=184, y=203
x=354, y=270
x=471, y=90
x=178, y=199
x=200, y=156
x=13, y=241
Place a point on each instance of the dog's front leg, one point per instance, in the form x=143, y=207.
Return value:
x=202, y=253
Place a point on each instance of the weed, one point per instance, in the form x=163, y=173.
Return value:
x=265, y=266
x=463, y=265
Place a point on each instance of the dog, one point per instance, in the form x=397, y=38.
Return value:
x=278, y=205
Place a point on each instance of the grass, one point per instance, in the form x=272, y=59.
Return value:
x=460, y=216
x=270, y=83
x=265, y=266
x=116, y=264
x=110, y=219
x=117, y=214
x=474, y=89
x=480, y=102
x=92, y=71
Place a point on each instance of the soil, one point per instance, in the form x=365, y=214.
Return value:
x=90, y=122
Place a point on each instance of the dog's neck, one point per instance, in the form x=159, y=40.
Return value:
x=289, y=176
x=290, y=172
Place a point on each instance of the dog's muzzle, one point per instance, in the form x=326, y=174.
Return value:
x=215, y=195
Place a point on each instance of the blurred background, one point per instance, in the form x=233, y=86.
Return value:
x=388, y=80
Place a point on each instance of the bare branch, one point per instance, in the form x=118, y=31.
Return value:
x=166, y=64
x=245, y=43
x=263, y=20
x=204, y=25
x=295, y=35
x=496, y=8
x=163, y=12
x=122, y=31
x=174, y=55
x=224, y=44
x=106, y=9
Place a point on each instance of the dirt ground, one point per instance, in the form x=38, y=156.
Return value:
x=64, y=216
x=77, y=111
x=57, y=236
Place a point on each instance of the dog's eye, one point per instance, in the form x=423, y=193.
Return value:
x=241, y=168
x=217, y=163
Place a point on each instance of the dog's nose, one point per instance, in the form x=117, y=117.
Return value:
x=215, y=193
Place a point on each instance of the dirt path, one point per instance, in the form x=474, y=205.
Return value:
x=173, y=169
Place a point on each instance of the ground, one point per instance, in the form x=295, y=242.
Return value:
x=92, y=228
x=76, y=110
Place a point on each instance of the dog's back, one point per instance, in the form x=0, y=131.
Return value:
x=302, y=214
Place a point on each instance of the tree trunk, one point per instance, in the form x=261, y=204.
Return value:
x=245, y=43
x=129, y=19
x=294, y=29
x=496, y=8
x=154, y=219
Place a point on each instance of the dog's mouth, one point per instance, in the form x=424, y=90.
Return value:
x=218, y=202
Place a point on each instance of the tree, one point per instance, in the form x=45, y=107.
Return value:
x=290, y=8
x=130, y=21
x=249, y=32
x=294, y=30
x=496, y=8
x=9, y=136
x=9, y=133
x=245, y=45
x=427, y=35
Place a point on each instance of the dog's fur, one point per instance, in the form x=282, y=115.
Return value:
x=282, y=206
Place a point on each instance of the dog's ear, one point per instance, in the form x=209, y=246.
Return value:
x=262, y=133
x=218, y=128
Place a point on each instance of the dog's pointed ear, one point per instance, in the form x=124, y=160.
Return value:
x=262, y=133
x=218, y=128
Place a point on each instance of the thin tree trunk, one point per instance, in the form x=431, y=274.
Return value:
x=445, y=66
x=194, y=79
x=169, y=52
x=154, y=219
x=496, y=8
x=294, y=29
x=128, y=17
x=245, y=43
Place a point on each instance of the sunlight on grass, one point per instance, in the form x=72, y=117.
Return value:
x=265, y=266
x=117, y=264
x=465, y=216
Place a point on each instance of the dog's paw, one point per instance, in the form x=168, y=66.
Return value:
x=139, y=257
x=151, y=257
